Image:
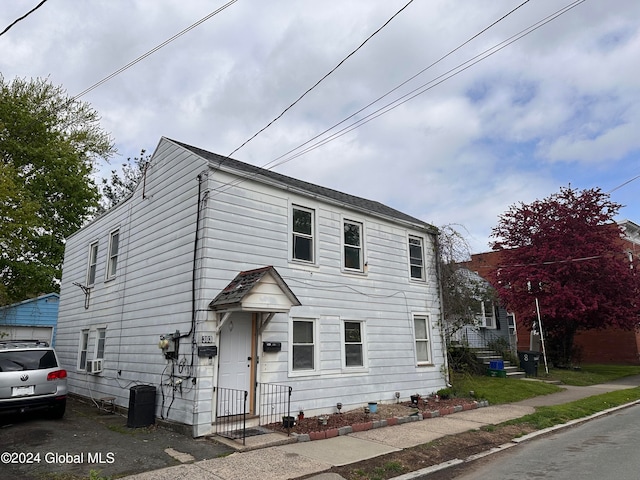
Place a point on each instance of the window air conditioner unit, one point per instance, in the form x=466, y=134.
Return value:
x=94, y=366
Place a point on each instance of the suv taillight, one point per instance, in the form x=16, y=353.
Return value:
x=57, y=375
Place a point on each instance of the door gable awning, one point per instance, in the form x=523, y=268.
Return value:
x=259, y=290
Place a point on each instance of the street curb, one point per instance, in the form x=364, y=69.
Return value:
x=515, y=442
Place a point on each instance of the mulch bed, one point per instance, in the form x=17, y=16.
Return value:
x=358, y=419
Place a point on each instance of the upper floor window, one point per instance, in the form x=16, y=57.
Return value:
x=302, y=234
x=352, y=244
x=93, y=260
x=416, y=258
x=112, y=262
x=423, y=341
x=304, y=345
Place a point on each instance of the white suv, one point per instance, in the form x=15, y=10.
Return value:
x=31, y=378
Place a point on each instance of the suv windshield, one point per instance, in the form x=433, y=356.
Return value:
x=15, y=361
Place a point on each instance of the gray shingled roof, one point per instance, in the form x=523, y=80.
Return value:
x=316, y=190
x=239, y=287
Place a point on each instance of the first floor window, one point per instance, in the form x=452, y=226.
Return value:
x=303, y=345
x=100, y=339
x=485, y=314
x=82, y=356
x=423, y=347
x=353, y=344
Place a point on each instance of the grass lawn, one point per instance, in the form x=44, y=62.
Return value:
x=499, y=390
x=557, y=414
x=590, y=374
x=507, y=390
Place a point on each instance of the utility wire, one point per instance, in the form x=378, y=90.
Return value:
x=23, y=17
x=409, y=96
x=155, y=49
x=623, y=184
x=320, y=81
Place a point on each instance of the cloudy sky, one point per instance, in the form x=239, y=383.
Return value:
x=558, y=106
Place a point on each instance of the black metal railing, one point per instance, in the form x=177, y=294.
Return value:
x=231, y=413
x=275, y=404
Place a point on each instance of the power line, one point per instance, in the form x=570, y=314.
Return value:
x=23, y=17
x=623, y=184
x=155, y=49
x=410, y=95
x=320, y=81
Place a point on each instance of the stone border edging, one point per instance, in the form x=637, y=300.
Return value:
x=361, y=427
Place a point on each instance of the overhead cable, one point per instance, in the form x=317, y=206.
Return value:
x=320, y=81
x=155, y=49
x=23, y=17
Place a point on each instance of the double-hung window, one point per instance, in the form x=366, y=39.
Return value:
x=302, y=234
x=416, y=258
x=112, y=262
x=354, y=344
x=82, y=354
x=93, y=261
x=485, y=315
x=352, y=245
x=303, y=345
x=100, y=341
x=423, y=341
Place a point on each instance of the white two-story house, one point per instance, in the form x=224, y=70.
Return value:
x=217, y=276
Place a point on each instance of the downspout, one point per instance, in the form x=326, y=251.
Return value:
x=436, y=237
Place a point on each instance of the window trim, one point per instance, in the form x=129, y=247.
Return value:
x=313, y=236
x=92, y=263
x=423, y=276
x=110, y=272
x=363, y=262
x=429, y=361
x=363, y=343
x=316, y=347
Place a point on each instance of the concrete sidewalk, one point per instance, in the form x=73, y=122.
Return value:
x=293, y=460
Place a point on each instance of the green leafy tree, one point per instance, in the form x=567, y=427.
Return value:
x=119, y=186
x=566, y=251
x=48, y=144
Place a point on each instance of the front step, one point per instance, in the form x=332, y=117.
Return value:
x=510, y=371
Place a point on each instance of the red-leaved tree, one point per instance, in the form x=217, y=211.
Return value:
x=567, y=251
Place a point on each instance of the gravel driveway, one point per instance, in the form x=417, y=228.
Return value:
x=33, y=447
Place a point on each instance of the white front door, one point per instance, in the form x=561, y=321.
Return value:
x=235, y=363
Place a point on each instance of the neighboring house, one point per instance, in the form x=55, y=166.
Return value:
x=492, y=326
x=33, y=319
x=609, y=345
x=216, y=276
